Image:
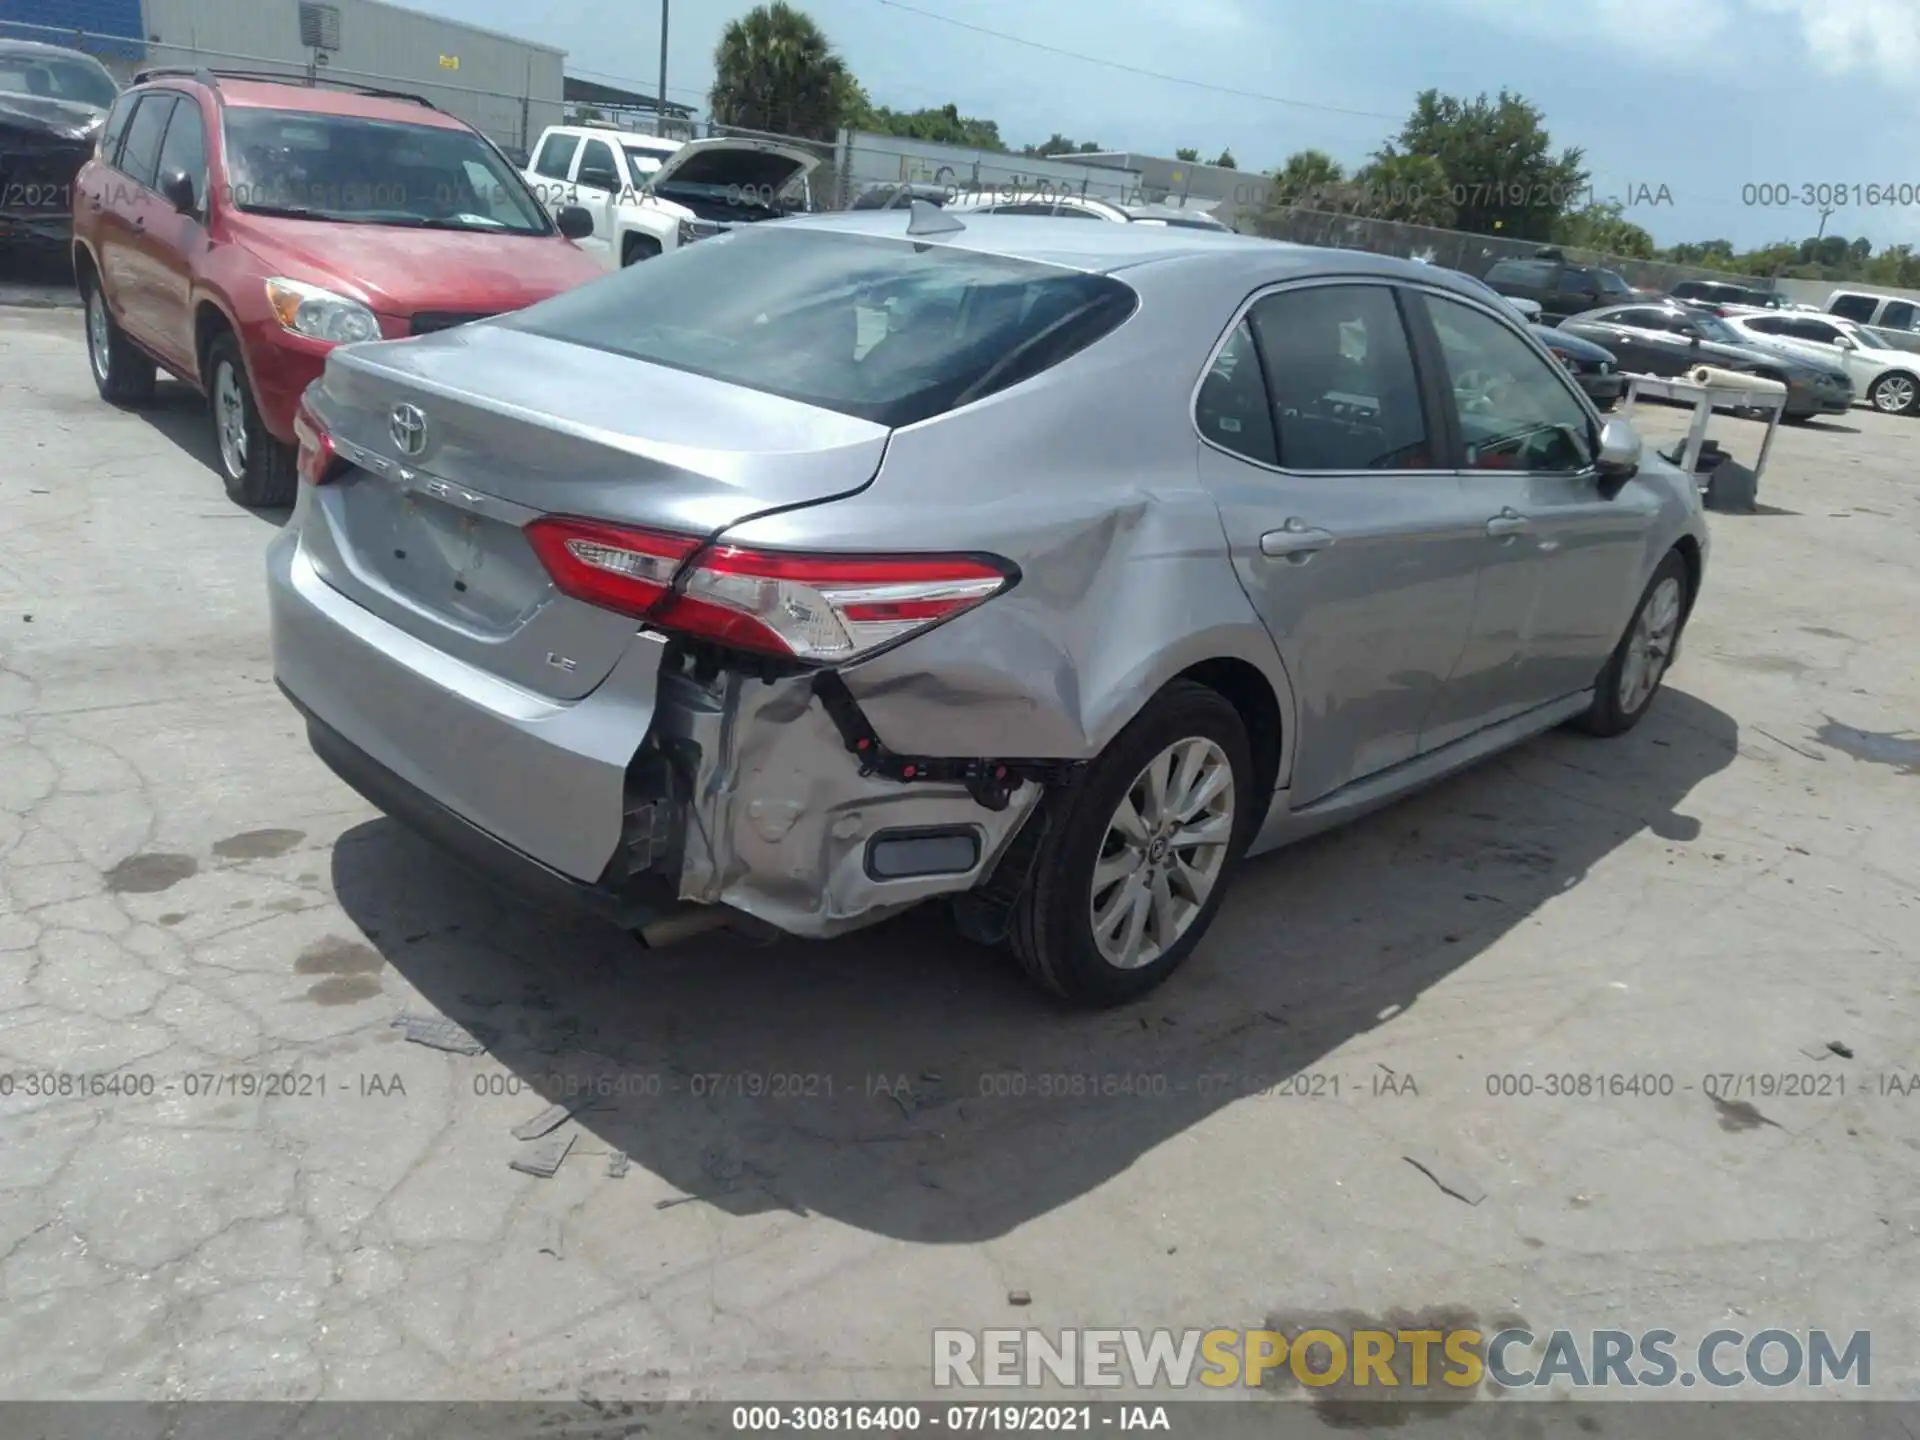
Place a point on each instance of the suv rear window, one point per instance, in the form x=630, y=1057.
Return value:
x=871, y=327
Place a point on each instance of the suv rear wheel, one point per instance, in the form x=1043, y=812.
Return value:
x=1133, y=862
x=258, y=470
x=121, y=373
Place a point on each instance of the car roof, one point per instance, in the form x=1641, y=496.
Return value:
x=316, y=100
x=1108, y=249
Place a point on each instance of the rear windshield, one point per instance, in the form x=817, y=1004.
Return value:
x=346, y=168
x=57, y=77
x=881, y=329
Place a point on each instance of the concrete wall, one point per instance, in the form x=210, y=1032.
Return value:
x=869, y=159
x=507, y=88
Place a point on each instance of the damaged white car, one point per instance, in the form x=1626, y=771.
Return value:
x=648, y=195
x=831, y=567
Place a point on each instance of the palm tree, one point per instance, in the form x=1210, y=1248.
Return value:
x=774, y=70
x=1306, y=177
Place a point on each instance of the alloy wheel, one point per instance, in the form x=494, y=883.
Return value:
x=230, y=420
x=1165, y=848
x=1650, y=646
x=1894, y=395
x=99, y=335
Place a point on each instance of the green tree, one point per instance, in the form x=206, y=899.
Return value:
x=774, y=70
x=1307, y=175
x=1188, y=154
x=943, y=124
x=1503, y=176
x=1860, y=251
x=1411, y=189
x=1058, y=144
x=1226, y=161
x=586, y=115
x=1602, y=226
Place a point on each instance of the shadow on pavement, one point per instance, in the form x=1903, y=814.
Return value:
x=179, y=414
x=897, y=1080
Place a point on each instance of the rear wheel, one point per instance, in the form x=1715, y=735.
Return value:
x=1625, y=689
x=1895, y=395
x=1134, y=860
x=258, y=470
x=121, y=373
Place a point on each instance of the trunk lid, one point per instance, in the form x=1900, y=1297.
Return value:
x=457, y=440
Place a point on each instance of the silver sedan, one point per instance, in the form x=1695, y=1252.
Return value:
x=1043, y=568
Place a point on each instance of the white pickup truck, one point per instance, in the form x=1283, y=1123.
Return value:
x=648, y=195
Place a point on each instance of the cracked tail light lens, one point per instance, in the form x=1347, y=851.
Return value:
x=822, y=609
x=318, y=461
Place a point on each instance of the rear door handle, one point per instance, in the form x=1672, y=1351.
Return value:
x=1296, y=541
x=1508, y=523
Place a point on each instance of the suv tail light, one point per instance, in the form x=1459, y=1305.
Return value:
x=318, y=461
x=819, y=608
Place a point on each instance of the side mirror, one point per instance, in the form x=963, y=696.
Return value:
x=575, y=222
x=177, y=190
x=1618, y=460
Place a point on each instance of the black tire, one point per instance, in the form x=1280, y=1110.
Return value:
x=1613, y=713
x=1052, y=931
x=636, y=248
x=1906, y=385
x=121, y=372
x=259, y=473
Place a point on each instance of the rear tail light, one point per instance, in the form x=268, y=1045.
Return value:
x=318, y=461
x=822, y=609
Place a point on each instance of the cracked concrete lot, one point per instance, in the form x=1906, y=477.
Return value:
x=225, y=1173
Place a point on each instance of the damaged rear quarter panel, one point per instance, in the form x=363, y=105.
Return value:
x=1086, y=478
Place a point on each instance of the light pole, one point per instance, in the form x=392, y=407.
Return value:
x=1821, y=234
x=660, y=126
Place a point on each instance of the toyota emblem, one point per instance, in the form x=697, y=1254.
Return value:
x=408, y=426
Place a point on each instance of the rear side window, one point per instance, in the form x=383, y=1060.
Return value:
x=140, y=155
x=871, y=327
x=1692, y=290
x=1853, y=307
x=1341, y=379
x=556, y=156
x=1574, y=282
x=1768, y=325
x=1232, y=409
x=1808, y=330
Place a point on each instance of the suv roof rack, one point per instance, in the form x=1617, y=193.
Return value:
x=212, y=79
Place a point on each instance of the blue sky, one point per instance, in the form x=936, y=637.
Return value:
x=1701, y=97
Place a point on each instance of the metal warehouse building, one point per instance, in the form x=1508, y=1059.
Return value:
x=509, y=88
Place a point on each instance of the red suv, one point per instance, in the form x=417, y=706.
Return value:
x=232, y=230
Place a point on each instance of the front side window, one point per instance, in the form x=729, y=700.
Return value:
x=869, y=326
x=1231, y=409
x=353, y=170
x=1515, y=413
x=140, y=155
x=1769, y=325
x=1341, y=379
x=598, y=169
x=556, y=156
x=1809, y=330
x=185, y=149
x=116, y=127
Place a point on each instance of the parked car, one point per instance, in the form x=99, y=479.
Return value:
x=1719, y=297
x=53, y=103
x=648, y=195
x=1593, y=367
x=1889, y=312
x=1082, y=207
x=1672, y=339
x=1091, y=575
x=233, y=231
x=1886, y=378
x=1561, y=289
x=1528, y=310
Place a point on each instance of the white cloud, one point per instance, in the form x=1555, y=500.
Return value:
x=1880, y=38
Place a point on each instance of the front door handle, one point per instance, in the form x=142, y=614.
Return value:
x=1296, y=540
x=1508, y=523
